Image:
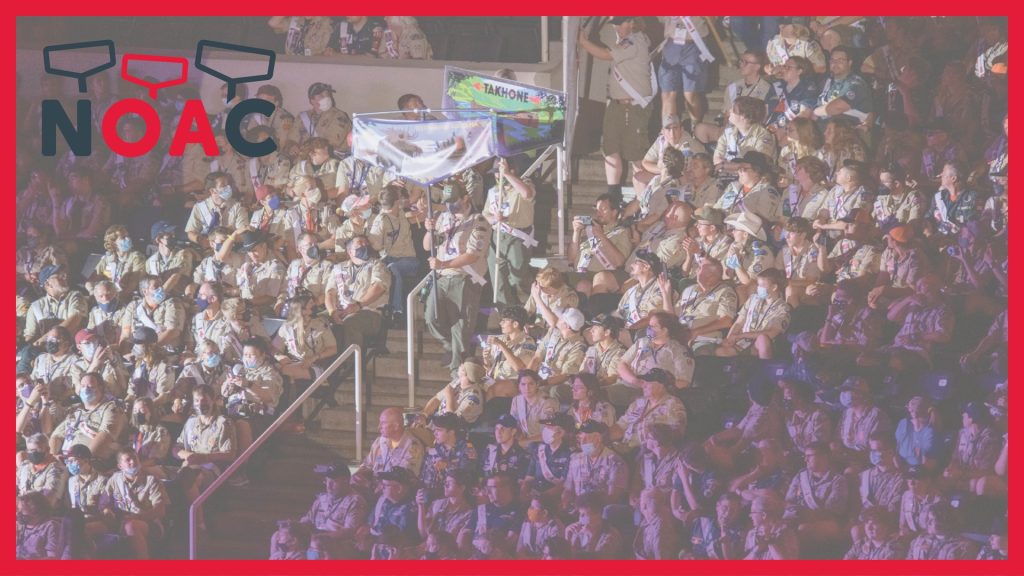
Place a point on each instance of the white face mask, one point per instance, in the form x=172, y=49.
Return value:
x=324, y=104
x=314, y=195
x=548, y=435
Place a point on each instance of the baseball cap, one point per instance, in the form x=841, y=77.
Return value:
x=658, y=375
x=711, y=215
x=507, y=420
x=336, y=469
x=608, y=321
x=573, y=319
x=651, y=259
x=855, y=383
x=160, y=228
x=563, y=421
x=396, y=474
x=144, y=335
x=593, y=426
x=755, y=160
x=670, y=120
x=447, y=420
x=318, y=87
x=84, y=334
x=902, y=233
x=47, y=272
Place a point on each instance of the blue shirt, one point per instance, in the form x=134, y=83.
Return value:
x=915, y=446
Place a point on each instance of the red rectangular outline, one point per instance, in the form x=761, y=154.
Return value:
x=465, y=8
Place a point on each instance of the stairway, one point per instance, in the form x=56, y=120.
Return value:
x=240, y=521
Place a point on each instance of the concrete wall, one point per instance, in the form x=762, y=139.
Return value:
x=363, y=84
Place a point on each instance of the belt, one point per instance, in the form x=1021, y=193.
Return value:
x=628, y=101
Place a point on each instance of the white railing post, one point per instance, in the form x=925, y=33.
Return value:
x=410, y=338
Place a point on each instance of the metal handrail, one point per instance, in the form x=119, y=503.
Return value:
x=410, y=337
x=281, y=419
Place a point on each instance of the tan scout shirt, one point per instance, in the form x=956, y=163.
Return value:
x=47, y=312
x=734, y=144
x=178, y=261
x=331, y=514
x=51, y=480
x=603, y=363
x=317, y=338
x=560, y=356
x=361, y=178
x=232, y=215
x=499, y=368
x=517, y=210
x=214, y=438
x=59, y=374
x=762, y=199
x=643, y=412
x=383, y=456
x=698, y=308
x=263, y=279
x=639, y=301
x=313, y=277
x=143, y=495
x=454, y=236
x=606, y=473
x=332, y=125
x=349, y=282
x=391, y=236
x=320, y=220
x=590, y=261
x=325, y=174
x=82, y=425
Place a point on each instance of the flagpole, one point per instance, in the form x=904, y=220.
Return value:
x=497, y=241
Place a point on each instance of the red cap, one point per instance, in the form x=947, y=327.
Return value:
x=83, y=335
x=262, y=191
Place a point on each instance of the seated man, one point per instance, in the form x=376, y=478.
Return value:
x=817, y=498
x=60, y=305
x=504, y=356
x=86, y=490
x=661, y=347
x=505, y=454
x=595, y=468
x=549, y=458
x=926, y=322
x=137, y=503
x=851, y=326
x=221, y=266
x=500, y=518
x=711, y=241
x=357, y=292
x=206, y=444
x=645, y=296
x=262, y=277
x=592, y=537
x=157, y=310
x=464, y=396
x=674, y=136
x=451, y=451
x=763, y=318
x=393, y=525
x=560, y=354
x=602, y=357
x=337, y=513
x=171, y=262
x=707, y=308
x=40, y=471
x=40, y=536
x=665, y=238
x=97, y=422
x=219, y=209
x=977, y=450
x=903, y=263
x=656, y=406
x=599, y=247
x=57, y=367
x=652, y=200
x=881, y=540
x=396, y=447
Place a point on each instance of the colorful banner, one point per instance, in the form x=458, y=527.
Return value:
x=529, y=117
x=424, y=151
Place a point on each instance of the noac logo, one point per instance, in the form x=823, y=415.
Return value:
x=78, y=133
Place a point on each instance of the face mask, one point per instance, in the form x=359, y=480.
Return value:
x=547, y=435
x=787, y=404
x=124, y=244
x=762, y=292
x=88, y=350
x=212, y=361
x=314, y=195
x=325, y=104
x=22, y=518
x=846, y=398
x=274, y=202
x=533, y=515
x=26, y=390
x=366, y=214
x=876, y=457
x=312, y=554
x=138, y=350
x=217, y=246
x=362, y=253
x=203, y=408
x=52, y=346
x=158, y=295
x=650, y=333
x=313, y=252
x=74, y=468
x=36, y=457
x=88, y=395
x=250, y=364
x=225, y=193
x=139, y=418
x=107, y=307
x=452, y=207
x=202, y=303
x=133, y=471
x=588, y=448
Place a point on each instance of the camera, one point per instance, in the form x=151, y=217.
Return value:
x=586, y=220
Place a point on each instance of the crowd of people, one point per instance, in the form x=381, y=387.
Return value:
x=790, y=343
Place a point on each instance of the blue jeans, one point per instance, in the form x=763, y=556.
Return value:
x=400, y=267
x=755, y=31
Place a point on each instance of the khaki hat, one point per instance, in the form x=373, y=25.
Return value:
x=711, y=215
x=749, y=223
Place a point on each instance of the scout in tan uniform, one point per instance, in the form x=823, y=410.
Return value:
x=460, y=238
x=87, y=488
x=902, y=264
x=653, y=199
x=157, y=311
x=60, y=306
x=560, y=354
x=152, y=376
x=360, y=178
x=235, y=166
x=358, y=211
x=404, y=39
x=306, y=35
x=707, y=308
x=97, y=422
x=817, y=498
x=57, y=367
x=749, y=255
x=40, y=471
x=324, y=120
x=753, y=191
x=339, y=511
x=658, y=347
x=600, y=246
x=39, y=535
x=316, y=163
x=656, y=406
x=36, y=254
x=631, y=88
x=744, y=134
x=942, y=540
x=309, y=272
x=304, y=342
x=391, y=236
x=902, y=204
x=221, y=266
x=530, y=407
x=396, y=447
x=602, y=358
x=357, y=291
x=262, y=277
x=206, y=444
x=665, y=238
x=509, y=210
x=645, y=296
x=554, y=292
x=672, y=136
x=98, y=357
x=282, y=122
x=106, y=316
x=172, y=265
x=271, y=218
x=711, y=241
x=311, y=215
x=593, y=537
x=504, y=356
x=220, y=209
x=596, y=468
x=272, y=169
x=138, y=501
x=763, y=317
x=799, y=259
x=209, y=323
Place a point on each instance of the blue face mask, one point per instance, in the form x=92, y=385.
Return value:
x=212, y=361
x=107, y=307
x=88, y=350
x=588, y=448
x=876, y=457
x=452, y=207
x=762, y=292
x=124, y=244
x=158, y=295
x=312, y=554
x=650, y=333
x=202, y=303
x=88, y=395
x=225, y=193
x=74, y=468
x=250, y=364
x=274, y=202
x=133, y=471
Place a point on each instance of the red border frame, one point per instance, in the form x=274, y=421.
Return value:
x=463, y=7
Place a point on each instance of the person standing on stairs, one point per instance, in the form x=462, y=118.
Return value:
x=631, y=88
x=509, y=209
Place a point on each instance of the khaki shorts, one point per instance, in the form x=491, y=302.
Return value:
x=625, y=130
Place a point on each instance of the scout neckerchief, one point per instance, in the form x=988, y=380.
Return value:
x=756, y=316
x=635, y=298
